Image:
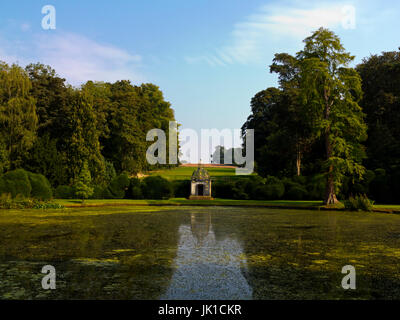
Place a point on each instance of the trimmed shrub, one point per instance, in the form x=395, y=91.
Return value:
x=41, y=188
x=156, y=187
x=134, y=190
x=118, y=186
x=238, y=192
x=98, y=192
x=181, y=188
x=251, y=186
x=274, y=191
x=16, y=182
x=222, y=189
x=64, y=192
x=274, y=188
x=106, y=194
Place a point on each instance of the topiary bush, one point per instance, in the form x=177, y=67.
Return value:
x=156, y=187
x=251, y=186
x=134, y=190
x=98, y=192
x=274, y=188
x=238, y=193
x=16, y=182
x=118, y=186
x=181, y=188
x=41, y=188
x=222, y=189
x=64, y=192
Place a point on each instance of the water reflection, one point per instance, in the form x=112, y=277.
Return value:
x=206, y=268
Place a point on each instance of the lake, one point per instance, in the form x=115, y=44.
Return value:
x=198, y=253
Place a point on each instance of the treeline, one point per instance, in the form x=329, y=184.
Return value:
x=51, y=128
x=329, y=120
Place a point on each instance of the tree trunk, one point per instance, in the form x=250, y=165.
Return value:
x=330, y=195
x=298, y=162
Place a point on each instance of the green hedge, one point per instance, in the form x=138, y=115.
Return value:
x=135, y=190
x=16, y=182
x=118, y=186
x=64, y=192
x=25, y=184
x=41, y=188
x=156, y=187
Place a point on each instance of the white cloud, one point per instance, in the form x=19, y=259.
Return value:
x=25, y=27
x=76, y=58
x=273, y=23
x=80, y=59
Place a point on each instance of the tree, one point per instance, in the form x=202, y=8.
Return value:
x=380, y=76
x=126, y=145
x=83, y=190
x=18, y=118
x=330, y=92
x=48, y=155
x=263, y=107
x=46, y=159
x=280, y=139
x=51, y=95
x=292, y=125
x=83, y=137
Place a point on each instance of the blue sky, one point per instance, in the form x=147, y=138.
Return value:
x=208, y=57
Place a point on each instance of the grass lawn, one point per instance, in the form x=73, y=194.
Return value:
x=185, y=173
x=388, y=206
x=183, y=201
x=71, y=203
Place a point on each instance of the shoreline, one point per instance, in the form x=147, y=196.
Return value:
x=228, y=203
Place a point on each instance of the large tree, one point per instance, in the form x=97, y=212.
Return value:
x=18, y=118
x=293, y=126
x=273, y=148
x=48, y=155
x=330, y=92
x=82, y=137
x=381, y=102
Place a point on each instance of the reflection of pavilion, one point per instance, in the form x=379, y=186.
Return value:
x=206, y=268
x=200, y=225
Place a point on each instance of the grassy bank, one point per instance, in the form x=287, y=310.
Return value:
x=311, y=205
x=185, y=173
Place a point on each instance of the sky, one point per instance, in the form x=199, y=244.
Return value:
x=208, y=57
